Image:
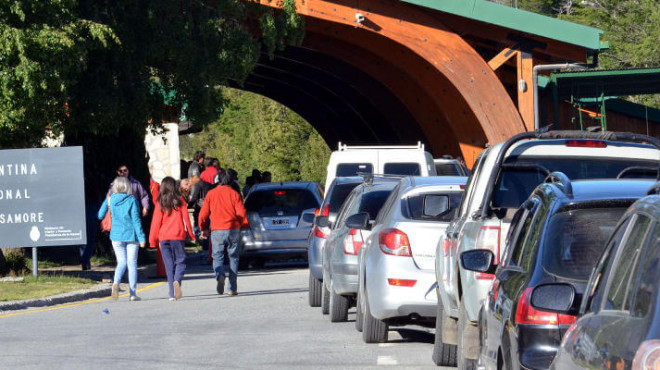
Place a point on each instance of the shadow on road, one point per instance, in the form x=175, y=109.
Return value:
x=244, y=294
x=412, y=335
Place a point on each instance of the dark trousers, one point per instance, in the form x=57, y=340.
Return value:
x=174, y=258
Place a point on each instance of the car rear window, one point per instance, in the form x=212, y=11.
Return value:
x=339, y=194
x=352, y=169
x=447, y=169
x=280, y=202
x=413, y=206
x=576, y=239
x=411, y=169
x=519, y=176
x=373, y=201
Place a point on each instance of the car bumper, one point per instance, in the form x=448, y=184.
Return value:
x=389, y=301
x=315, y=256
x=249, y=247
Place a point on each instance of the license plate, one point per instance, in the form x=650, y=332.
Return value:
x=280, y=221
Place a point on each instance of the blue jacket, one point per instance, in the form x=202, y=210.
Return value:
x=125, y=215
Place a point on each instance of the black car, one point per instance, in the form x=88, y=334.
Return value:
x=557, y=235
x=619, y=315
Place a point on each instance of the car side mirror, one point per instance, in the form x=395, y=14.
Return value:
x=308, y=217
x=479, y=260
x=322, y=221
x=358, y=221
x=554, y=297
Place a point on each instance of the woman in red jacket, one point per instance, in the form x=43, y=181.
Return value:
x=170, y=224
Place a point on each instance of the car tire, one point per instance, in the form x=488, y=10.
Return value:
x=443, y=354
x=464, y=341
x=373, y=330
x=359, y=315
x=325, y=300
x=315, y=291
x=338, y=307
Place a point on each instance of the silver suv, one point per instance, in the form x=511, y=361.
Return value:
x=503, y=177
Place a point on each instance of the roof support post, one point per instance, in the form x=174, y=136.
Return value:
x=525, y=65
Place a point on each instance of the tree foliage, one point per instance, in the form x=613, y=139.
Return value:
x=89, y=67
x=256, y=132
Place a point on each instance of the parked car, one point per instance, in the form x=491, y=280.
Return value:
x=447, y=166
x=406, y=160
x=503, y=177
x=344, y=242
x=334, y=198
x=277, y=227
x=618, y=325
x=396, y=273
x=557, y=235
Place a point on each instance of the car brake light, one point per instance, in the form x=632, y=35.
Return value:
x=326, y=210
x=318, y=233
x=586, y=143
x=280, y=192
x=316, y=212
x=402, y=282
x=353, y=242
x=489, y=238
x=446, y=247
x=526, y=314
x=462, y=187
x=394, y=242
x=647, y=356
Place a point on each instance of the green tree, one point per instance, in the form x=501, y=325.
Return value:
x=256, y=132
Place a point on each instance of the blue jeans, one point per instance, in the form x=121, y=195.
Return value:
x=228, y=239
x=126, y=253
x=174, y=259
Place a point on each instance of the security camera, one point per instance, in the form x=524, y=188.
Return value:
x=359, y=18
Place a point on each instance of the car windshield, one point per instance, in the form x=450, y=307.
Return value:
x=447, y=169
x=352, y=169
x=520, y=176
x=280, y=202
x=411, y=169
x=576, y=239
x=339, y=194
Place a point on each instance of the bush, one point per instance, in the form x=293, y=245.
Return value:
x=16, y=263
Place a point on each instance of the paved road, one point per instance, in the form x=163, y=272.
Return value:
x=268, y=325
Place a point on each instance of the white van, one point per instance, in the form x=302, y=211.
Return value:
x=391, y=160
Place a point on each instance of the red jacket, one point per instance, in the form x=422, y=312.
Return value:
x=224, y=207
x=164, y=227
x=209, y=175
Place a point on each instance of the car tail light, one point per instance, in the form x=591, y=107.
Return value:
x=446, y=247
x=394, y=242
x=316, y=212
x=489, y=238
x=462, y=187
x=526, y=314
x=319, y=233
x=647, y=356
x=586, y=143
x=326, y=210
x=402, y=282
x=353, y=242
x=280, y=192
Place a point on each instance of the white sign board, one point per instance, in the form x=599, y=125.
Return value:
x=42, y=197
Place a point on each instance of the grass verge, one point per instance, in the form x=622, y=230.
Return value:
x=41, y=286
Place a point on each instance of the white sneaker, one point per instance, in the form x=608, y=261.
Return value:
x=172, y=299
x=135, y=298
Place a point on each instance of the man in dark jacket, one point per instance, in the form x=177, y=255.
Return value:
x=137, y=190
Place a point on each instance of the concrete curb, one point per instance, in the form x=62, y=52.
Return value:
x=97, y=291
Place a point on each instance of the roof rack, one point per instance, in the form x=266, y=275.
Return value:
x=563, y=182
x=369, y=177
x=344, y=147
x=544, y=133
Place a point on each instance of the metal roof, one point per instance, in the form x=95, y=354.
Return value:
x=520, y=20
x=598, y=83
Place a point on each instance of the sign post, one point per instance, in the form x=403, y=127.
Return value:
x=42, y=198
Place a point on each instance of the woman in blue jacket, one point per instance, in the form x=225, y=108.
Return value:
x=125, y=233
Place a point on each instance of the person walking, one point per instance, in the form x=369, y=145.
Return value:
x=125, y=233
x=224, y=208
x=137, y=190
x=170, y=225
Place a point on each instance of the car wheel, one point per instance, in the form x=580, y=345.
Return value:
x=466, y=342
x=359, y=318
x=373, y=330
x=443, y=354
x=314, y=291
x=325, y=300
x=338, y=307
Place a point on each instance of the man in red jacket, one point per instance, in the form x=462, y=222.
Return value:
x=223, y=206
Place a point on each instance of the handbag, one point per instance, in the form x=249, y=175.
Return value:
x=106, y=223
